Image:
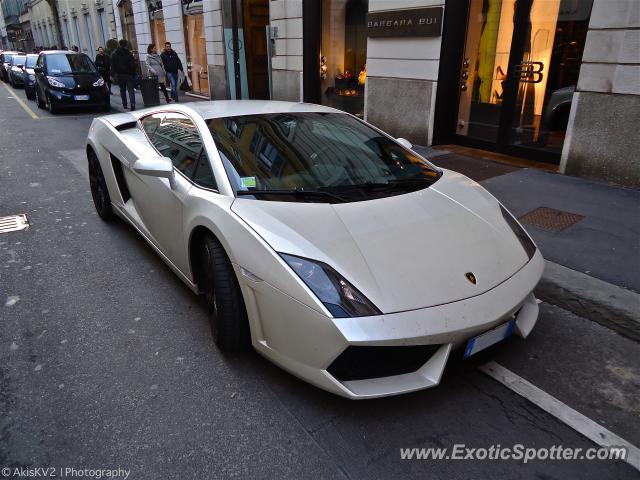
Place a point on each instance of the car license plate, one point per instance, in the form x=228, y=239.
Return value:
x=489, y=338
x=81, y=97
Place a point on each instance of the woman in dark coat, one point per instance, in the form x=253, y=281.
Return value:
x=103, y=64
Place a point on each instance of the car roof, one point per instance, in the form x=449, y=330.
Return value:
x=230, y=108
x=50, y=52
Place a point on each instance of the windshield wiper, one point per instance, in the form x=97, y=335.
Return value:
x=299, y=192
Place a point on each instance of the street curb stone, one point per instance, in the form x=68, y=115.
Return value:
x=591, y=298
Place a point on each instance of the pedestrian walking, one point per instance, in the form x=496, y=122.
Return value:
x=103, y=64
x=156, y=67
x=123, y=65
x=172, y=65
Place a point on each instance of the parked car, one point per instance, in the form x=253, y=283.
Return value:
x=5, y=59
x=30, y=76
x=556, y=115
x=16, y=70
x=334, y=249
x=69, y=79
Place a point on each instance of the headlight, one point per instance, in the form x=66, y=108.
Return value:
x=520, y=232
x=340, y=297
x=55, y=83
x=99, y=82
x=32, y=77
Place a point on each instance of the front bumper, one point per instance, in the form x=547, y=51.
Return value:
x=306, y=343
x=17, y=79
x=62, y=98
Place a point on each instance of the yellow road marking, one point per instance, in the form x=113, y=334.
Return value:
x=21, y=102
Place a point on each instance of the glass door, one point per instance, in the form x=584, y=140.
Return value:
x=547, y=72
x=518, y=72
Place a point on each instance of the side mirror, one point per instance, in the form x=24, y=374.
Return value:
x=37, y=69
x=161, y=167
x=404, y=142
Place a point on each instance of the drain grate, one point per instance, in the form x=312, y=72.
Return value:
x=550, y=219
x=13, y=223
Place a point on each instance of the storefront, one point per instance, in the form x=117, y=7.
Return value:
x=246, y=47
x=128, y=23
x=335, y=76
x=508, y=78
x=195, y=46
x=156, y=23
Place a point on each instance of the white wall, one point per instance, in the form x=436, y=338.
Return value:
x=611, y=58
x=212, y=11
x=286, y=15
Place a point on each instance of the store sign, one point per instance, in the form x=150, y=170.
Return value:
x=419, y=22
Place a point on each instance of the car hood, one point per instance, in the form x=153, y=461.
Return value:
x=403, y=252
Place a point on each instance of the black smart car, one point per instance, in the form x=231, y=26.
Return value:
x=5, y=60
x=69, y=79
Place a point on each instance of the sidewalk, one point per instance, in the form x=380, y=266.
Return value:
x=116, y=100
x=589, y=232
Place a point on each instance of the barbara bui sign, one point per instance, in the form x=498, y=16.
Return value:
x=418, y=22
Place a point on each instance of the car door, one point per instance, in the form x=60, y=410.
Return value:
x=160, y=207
x=41, y=76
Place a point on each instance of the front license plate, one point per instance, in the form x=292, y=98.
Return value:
x=81, y=97
x=489, y=338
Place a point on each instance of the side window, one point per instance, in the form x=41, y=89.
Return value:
x=177, y=137
x=204, y=175
x=150, y=124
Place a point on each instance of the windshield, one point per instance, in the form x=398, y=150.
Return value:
x=293, y=156
x=31, y=61
x=18, y=60
x=65, y=63
x=7, y=57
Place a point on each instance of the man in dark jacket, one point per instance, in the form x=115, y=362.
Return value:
x=172, y=64
x=123, y=65
x=103, y=64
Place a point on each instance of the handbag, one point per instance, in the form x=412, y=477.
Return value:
x=184, y=86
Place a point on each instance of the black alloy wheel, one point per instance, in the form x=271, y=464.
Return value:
x=225, y=304
x=99, y=191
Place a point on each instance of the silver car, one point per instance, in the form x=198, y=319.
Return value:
x=334, y=249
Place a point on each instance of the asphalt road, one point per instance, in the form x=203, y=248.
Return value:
x=106, y=361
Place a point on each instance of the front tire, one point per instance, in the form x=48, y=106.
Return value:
x=227, y=312
x=99, y=191
x=39, y=99
x=52, y=107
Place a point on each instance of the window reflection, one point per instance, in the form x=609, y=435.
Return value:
x=310, y=151
x=177, y=137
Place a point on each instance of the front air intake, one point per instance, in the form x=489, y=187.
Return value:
x=361, y=363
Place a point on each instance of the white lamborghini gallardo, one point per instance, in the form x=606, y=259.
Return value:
x=335, y=250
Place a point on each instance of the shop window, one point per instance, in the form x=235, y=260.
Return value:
x=196, y=49
x=343, y=54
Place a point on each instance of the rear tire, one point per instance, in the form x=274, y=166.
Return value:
x=99, y=191
x=225, y=305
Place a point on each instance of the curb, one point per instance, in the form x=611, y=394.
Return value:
x=591, y=298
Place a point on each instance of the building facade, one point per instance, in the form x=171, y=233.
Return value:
x=4, y=41
x=16, y=26
x=556, y=81
x=85, y=24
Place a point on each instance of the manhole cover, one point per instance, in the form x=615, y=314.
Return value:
x=13, y=223
x=550, y=219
